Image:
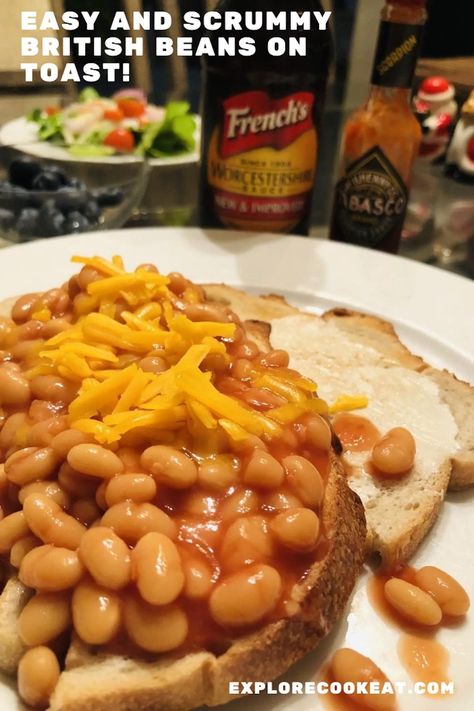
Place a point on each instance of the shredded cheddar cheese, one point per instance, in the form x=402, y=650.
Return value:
x=126, y=316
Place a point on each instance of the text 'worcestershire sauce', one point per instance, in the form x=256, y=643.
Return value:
x=381, y=139
x=261, y=117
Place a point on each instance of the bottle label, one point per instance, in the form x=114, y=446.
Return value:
x=262, y=161
x=396, y=54
x=371, y=200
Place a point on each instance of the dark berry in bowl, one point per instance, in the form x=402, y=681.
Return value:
x=23, y=171
x=27, y=223
x=76, y=222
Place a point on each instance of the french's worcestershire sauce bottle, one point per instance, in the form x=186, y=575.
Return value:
x=261, y=117
x=381, y=139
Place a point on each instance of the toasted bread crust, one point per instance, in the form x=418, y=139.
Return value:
x=93, y=682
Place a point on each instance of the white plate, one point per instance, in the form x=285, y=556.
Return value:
x=22, y=134
x=432, y=311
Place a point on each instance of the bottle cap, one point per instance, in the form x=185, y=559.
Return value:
x=435, y=89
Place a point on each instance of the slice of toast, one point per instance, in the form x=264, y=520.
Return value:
x=97, y=680
x=347, y=352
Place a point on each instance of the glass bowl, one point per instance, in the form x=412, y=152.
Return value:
x=42, y=198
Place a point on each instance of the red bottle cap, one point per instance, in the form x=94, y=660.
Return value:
x=470, y=149
x=434, y=85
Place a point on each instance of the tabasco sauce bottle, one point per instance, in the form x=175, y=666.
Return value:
x=261, y=117
x=381, y=139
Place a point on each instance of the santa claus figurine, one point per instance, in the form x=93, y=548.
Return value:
x=437, y=110
x=460, y=156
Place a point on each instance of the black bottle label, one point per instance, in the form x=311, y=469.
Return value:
x=371, y=200
x=396, y=54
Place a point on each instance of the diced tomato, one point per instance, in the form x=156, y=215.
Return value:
x=52, y=110
x=114, y=114
x=121, y=139
x=132, y=108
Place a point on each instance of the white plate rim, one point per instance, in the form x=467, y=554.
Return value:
x=20, y=133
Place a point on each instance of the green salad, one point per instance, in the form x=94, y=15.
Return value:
x=123, y=124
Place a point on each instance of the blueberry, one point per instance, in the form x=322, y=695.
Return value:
x=76, y=222
x=109, y=197
x=76, y=183
x=23, y=171
x=7, y=218
x=50, y=220
x=92, y=211
x=47, y=180
x=59, y=173
x=70, y=199
x=27, y=223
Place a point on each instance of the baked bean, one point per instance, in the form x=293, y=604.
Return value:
x=281, y=501
x=6, y=329
x=20, y=549
x=106, y=557
x=56, y=325
x=177, y=283
x=38, y=674
x=132, y=521
x=53, y=388
x=261, y=398
x=247, y=349
x=247, y=445
x=76, y=484
x=86, y=511
x=263, y=471
x=130, y=459
x=51, y=569
x=246, y=541
x=30, y=464
x=12, y=529
x=56, y=300
x=170, y=466
x=26, y=351
x=351, y=667
x=50, y=523
x=153, y=364
x=199, y=504
x=148, y=268
x=30, y=331
x=44, y=618
x=63, y=442
x=41, y=410
x=157, y=569
x=47, y=488
x=275, y=359
x=208, y=312
x=238, y=504
x=15, y=425
x=394, y=453
x=318, y=432
x=412, y=602
x=94, y=460
x=87, y=276
x=95, y=613
x=445, y=590
x=218, y=473
x=296, y=529
x=154, y=628
x=130, y=487
x=22, y=308
x=198, y=575
x=304, y=479
x=245, y=597
x=3, y=480
x=100, y=495
x=242, y=369
x=14, y=387
x=42, y=433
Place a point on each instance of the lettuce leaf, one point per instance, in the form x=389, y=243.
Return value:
x=172, y=136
